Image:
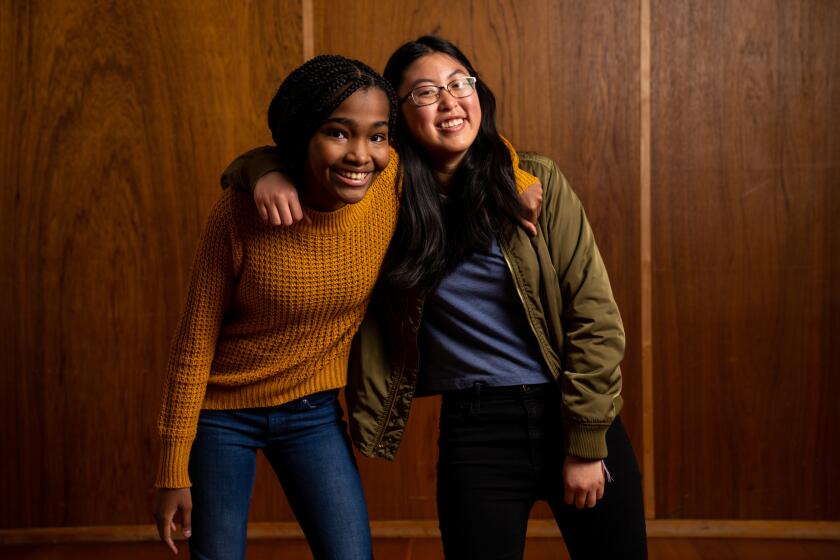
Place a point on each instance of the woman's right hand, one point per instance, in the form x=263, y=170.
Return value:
x=277, y=200
x=531, y=200
x=172, y=504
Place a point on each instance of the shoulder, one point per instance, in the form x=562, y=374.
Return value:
x=546, y=170
x=542, y=167
x=236, y=205
x=234, y=215
x=536, y=162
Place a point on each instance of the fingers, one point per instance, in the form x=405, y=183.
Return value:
x=528, y=226
x=281, y=211
x=285, y=214
x=170, y=542
x=583, y=495
x=295, y=212
x=186, y=522
x=165, y=529
x=531, y=203
x=569, y=498
x=274, y=215
x=583, y=498
x=173, y=504
x=591, y=498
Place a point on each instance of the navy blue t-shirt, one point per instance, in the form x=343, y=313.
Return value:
x=474, y=330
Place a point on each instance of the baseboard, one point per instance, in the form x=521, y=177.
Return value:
x=422, y=529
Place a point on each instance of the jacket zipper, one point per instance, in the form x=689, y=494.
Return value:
x=393, y=392
x=504, y=250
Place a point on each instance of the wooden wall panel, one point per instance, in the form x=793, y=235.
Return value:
x=565, y=78
x=746, y=288
x=117, y=119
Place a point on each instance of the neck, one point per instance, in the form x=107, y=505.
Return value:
x=444, y=171
x=312, y=198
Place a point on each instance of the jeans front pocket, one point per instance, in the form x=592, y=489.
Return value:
x=313, y=401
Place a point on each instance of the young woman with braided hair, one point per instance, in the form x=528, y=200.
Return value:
x=261, y=349
x=520, y=335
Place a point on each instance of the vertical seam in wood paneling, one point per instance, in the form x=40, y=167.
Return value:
x=308, y=34
x=646, y=258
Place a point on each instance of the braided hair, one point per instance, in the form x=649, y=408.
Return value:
x=310, y=94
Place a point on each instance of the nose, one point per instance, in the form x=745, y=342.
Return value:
x=447, y=101
x=357, y=152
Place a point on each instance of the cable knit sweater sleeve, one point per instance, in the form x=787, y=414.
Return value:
x=194, y=344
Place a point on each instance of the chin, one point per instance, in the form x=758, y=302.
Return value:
x=353, y=198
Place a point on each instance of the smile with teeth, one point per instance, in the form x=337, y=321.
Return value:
x=353, y=176
x=451, y=123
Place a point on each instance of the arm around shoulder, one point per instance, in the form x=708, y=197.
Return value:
x=246, y=169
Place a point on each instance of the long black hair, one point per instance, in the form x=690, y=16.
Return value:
x=310, y=94
x=434, y=234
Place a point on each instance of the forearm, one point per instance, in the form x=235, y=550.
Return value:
x=243, y=172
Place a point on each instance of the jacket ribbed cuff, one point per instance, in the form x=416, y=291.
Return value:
x=172, y=468
x=586, y=442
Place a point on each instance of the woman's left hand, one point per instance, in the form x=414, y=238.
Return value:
x=531, y=200
x=584, y=481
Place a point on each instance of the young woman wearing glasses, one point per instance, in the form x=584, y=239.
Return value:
x=520, y=335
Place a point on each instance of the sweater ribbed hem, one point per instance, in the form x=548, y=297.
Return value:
x=586, y=441
x=275, y=390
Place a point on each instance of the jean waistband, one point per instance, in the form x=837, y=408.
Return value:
x=479, y=390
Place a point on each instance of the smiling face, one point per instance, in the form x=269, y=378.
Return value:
x=445, y=129
x=347, y=152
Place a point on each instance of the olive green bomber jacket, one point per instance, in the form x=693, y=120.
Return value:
x=566, y=296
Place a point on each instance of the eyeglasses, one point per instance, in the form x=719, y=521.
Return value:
x=426, y=95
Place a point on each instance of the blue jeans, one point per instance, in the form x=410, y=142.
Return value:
x=306, y=443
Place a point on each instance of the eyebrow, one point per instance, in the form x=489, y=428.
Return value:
x=415, y=83
x=351, y=123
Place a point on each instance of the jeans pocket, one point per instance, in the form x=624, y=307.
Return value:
x=455, y=412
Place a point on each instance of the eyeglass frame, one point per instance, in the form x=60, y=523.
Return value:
x=410, y=95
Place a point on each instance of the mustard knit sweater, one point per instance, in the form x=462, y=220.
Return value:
x=271, y=312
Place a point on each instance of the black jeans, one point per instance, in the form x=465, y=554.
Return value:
x=501, y=449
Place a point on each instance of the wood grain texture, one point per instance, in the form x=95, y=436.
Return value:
x=646, y=265
x=565, y=76
x=117, y=120
x=746, y=288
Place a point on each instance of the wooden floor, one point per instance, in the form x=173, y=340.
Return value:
x=429, y=549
